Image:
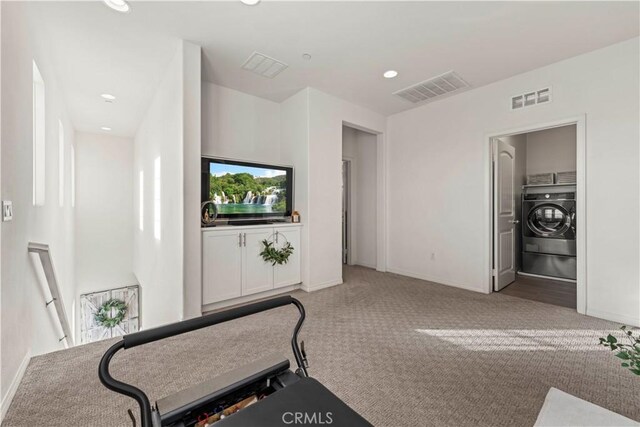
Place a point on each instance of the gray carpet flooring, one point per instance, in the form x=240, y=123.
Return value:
x=401, y=351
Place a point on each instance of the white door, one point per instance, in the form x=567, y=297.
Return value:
x=221, y=266
x=504, y=215
x=289, y=273
x=257, y=274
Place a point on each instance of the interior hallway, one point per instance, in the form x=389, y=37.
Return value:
x=400, y=351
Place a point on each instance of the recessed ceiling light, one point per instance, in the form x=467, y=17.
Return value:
x=390, y=74
x=250, y=2
x=306, y=57
x=118, y=5
x=108, y=97
x=105, y=128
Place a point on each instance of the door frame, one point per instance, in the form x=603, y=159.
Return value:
x=351, y=167
x=581, y=196
x=381, y=194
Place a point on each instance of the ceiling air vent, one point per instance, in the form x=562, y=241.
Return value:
x=529, y=99
x=433, y=88
x=264, y=65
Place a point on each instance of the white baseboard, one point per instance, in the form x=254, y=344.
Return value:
x=11, y=392
x=319, y=286
x=614, y=317
x=437, y=280
x=248, y=298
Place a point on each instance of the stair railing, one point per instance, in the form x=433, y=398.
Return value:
x=44, y=253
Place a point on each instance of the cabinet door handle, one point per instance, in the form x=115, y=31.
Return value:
x=239, y=240
x=276, y=237
x=244, y=237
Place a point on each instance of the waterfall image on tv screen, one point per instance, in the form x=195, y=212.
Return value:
x=239, y=189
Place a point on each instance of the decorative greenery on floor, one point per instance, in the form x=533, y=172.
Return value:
x=274, y=255
x=103, y=315
x=629, y=353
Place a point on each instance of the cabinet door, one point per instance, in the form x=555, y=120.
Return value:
x=257, y=274
x=289, y=273
x=221, y=266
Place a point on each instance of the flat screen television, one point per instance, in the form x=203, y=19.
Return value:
x=244, y=190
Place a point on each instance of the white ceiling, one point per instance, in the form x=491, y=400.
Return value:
x=97, y=50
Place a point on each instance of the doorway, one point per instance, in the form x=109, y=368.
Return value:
x=537, y=210
x=346, y=210
x=359, y=197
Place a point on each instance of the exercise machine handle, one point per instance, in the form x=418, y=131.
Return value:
x=162, y=332
x=178, y=328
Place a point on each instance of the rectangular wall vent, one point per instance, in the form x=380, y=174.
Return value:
x=433, y=88
x=529, y=99
x=264, y=65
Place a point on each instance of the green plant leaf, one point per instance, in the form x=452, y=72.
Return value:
x=103, y=316
x=276, y=256
x=627, y=351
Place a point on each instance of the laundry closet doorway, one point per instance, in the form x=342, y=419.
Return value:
x=360, y=197
x=537, y=210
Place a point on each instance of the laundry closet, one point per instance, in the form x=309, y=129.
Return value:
x=542, y=223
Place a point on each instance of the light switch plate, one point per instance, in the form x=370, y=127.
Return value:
x=7, y=210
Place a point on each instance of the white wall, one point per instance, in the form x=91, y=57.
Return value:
x=439, y=151
x=327, y=114
x=158, y=263
x=294, y=150
x=192, y=128
x=104, y=213
x=312, y=141
x=27, y=327
x=236, y=125
x=551, y=150
x=360, y=148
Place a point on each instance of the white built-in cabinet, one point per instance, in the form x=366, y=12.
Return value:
x=232, y=266
x=221, y=265
x=257, y=275
x=289, y=273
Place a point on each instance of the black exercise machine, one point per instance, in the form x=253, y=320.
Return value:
x=263, y=393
